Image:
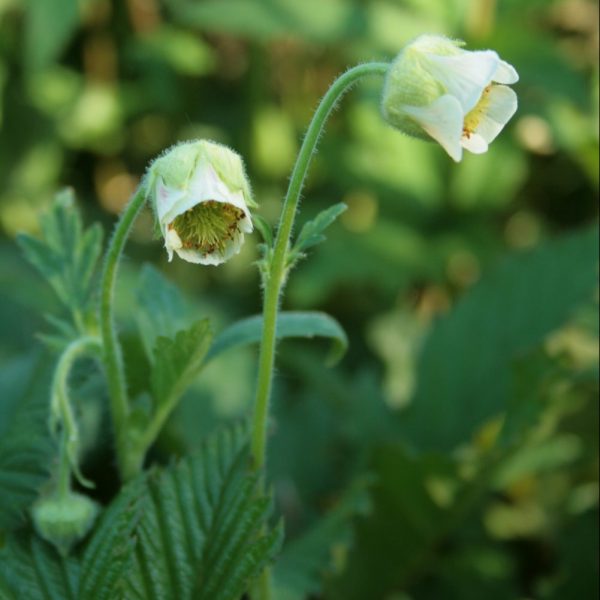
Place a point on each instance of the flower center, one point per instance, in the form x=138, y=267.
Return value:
x=208, y=226
x=473, y=118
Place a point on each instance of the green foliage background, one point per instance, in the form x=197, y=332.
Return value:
x=459, y=434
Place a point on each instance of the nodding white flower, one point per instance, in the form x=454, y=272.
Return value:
x=436, y=90
x=201, y=198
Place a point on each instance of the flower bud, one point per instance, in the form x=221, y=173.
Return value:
x=63, y=520
x=201, y=198
x=436, y=90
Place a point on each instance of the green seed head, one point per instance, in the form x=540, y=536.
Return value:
x=64, y=520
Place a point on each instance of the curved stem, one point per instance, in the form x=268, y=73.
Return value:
x=112, y=355
x=62, y=411
x=276, y=276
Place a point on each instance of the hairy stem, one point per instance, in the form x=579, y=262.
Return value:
x=276, y=275
x=112, y=354
x=61, y=410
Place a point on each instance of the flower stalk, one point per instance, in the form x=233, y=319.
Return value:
x=112, y=355
x=276, y=274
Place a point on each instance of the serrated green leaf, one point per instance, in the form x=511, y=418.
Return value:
x=510, y=311
x=109, y=554
x=299, y=571
x=292, y=324
x=66, y=255
x=30, y=568
x=201, y=532
x=162, y=309
x=313, y=231
x=178, y=360
x=26, y=447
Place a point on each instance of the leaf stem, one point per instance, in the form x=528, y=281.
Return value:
x=112, y=354
x=276, y=275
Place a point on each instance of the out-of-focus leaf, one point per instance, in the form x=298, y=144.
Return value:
x=289, y=324
x=403, y=526
x=300, y=569
x=464, y=371
x=26, y=447
x=256, y=19
x=49, y=26
x=66, y=255
x=313, y=231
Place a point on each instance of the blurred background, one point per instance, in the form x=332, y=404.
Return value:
x=459, y=433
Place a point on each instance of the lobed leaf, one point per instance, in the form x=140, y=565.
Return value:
x=66, y=255
x=178, y=360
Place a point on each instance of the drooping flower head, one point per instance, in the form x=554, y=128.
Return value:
x=201, y=198
x=437, y=90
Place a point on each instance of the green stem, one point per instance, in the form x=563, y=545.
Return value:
x=112, y=354
x=62, y=411
x=276, y=276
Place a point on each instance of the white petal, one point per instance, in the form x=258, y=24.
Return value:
x=206, y=185
x=465, y=75
x=443, y=121
x=505, y=73
x=502, y=105
x=166, y=199
x=474, y=143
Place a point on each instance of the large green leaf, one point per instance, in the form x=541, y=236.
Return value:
x=197, y=529
x=203, y=534
x=32, y=569
x=109, y=554
x=289, y=324
x=464, y=374
x=26, y=447
x=66, y=255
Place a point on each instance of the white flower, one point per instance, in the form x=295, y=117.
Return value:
x=201, y=198
x=436, y=90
